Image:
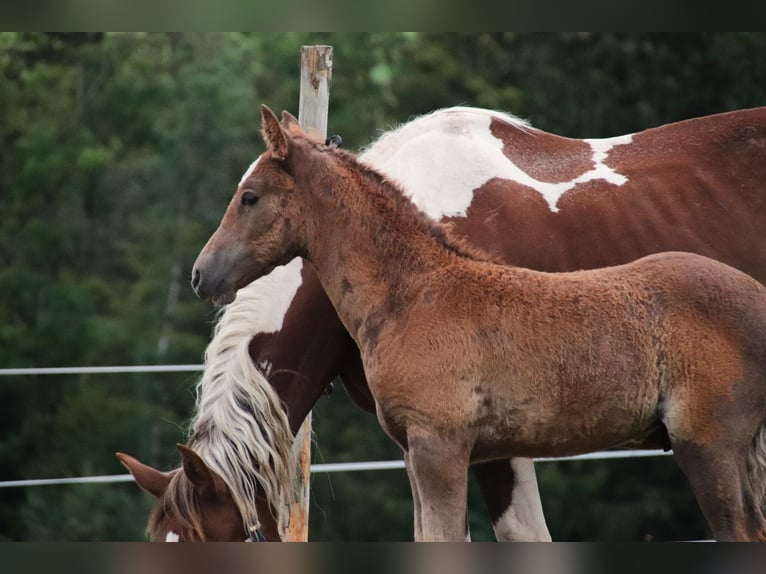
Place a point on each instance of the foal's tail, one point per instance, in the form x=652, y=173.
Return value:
x=756, y=466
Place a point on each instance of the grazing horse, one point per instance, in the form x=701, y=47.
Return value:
x=531, y=198
x=469, y=360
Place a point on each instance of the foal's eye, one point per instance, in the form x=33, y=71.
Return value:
x=249, y=199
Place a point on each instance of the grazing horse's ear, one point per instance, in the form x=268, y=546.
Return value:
x=198, y=473
x=150, y=479
x=273, y=133
x=290, y=122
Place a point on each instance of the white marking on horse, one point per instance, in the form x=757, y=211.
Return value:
x=249, y=171
x=276, y=292
x=523, y=521
x=552, y=192
x=172, y=537
x=265, y=367
x=440, y=169
x=601, y=149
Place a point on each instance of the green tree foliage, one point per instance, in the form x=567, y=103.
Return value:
x=118, y=155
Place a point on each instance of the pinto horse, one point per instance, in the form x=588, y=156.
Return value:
x=469, y=360
x=529, y=197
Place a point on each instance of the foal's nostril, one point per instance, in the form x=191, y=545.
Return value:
x=196, y=280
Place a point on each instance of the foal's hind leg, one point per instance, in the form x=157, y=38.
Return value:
x=717, y=477
x=439, y=473
x=713, y=409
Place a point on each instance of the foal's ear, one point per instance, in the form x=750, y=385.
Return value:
x=204, y=480
x=290, y=122
x=273, y=133
x=150, y=479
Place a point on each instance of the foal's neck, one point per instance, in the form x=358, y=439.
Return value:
x=370, y=245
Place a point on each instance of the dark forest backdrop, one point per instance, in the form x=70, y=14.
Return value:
x=118, y=155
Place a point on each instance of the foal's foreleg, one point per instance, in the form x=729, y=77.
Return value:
x=417, y=530
x=439, y=470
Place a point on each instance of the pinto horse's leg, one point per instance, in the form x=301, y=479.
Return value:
x=509, y=489
x=439, y=469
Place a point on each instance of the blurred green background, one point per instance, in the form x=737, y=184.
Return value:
x=118, y=155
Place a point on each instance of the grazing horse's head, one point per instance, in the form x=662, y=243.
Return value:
x=192, y=502
x=255, y=234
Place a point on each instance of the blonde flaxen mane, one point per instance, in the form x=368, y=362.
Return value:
x=240, y=429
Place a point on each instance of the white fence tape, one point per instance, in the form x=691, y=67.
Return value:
x=315, y=468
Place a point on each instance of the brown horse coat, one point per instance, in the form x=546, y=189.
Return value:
x=469, y=360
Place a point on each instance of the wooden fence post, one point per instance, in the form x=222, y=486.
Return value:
x=316, y=75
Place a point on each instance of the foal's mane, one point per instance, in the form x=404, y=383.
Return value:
x=390, y=195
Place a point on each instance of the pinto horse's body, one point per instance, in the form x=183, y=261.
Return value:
x=531, y=199
x=469, y=360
